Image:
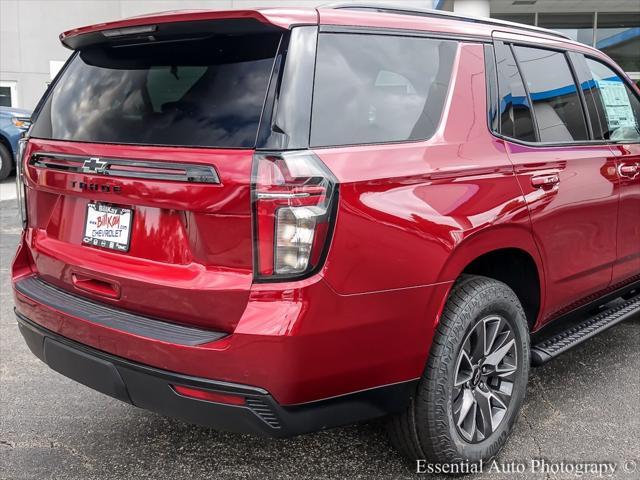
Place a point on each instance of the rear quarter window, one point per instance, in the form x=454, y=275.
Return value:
x=205, y=93
x=378, y=88
x=556, y=103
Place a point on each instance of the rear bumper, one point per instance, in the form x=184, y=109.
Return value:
x=301, y=342
x=152, y=389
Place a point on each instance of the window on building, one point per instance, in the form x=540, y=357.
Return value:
x=379, y=88
x=556, y=103
x=5, y=96
x=525, y=18
x=578, y=26
x=618, y=35
x=514, y=109
x=620, y=105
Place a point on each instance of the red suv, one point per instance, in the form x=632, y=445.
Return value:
x=283, y=220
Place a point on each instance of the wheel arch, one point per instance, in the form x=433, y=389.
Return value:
x=493, y=253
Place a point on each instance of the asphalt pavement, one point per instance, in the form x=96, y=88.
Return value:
x=584, y=407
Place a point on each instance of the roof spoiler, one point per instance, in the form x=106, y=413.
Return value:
x=185, y=25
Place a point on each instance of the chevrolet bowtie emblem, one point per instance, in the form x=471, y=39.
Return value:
x=94, y=165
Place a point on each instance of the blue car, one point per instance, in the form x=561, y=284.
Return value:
x=13, y=123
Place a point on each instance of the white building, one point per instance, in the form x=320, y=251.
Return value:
x=30, y=53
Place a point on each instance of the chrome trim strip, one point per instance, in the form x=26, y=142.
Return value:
x=184, y=172
x=266, y=195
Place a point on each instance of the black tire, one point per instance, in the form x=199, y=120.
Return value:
x=427, y=429
x=6, y=162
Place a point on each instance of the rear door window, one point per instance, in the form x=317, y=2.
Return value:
x=515, y=116
x=379, y=88
x=620, y=106
x=594, y=107
x=207, y=93
x=556, y=103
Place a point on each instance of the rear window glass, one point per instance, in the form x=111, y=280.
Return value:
x=379, y=88
x=206, y=93
x=516, y=120
x=556, y=102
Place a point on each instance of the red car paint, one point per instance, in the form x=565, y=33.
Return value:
x=411, y=217
x=281, y=17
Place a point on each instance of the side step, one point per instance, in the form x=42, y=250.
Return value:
x=551, y=347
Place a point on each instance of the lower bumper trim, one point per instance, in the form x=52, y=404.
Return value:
x=150, y=388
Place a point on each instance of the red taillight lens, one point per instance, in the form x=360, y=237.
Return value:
x=208, y=395
x=21, y=191
x=294, y=196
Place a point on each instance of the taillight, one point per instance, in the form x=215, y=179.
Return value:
x=294, y=198
x=21, y=192
x=209, y=395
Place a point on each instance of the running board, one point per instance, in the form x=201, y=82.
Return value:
x=550, y=348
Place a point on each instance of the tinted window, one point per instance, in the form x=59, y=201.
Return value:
x=378, y=88
x=515, y=113
x=621, y=107
x=556, y=103
x=595, y=109
x=5, y=96
x=193, y=93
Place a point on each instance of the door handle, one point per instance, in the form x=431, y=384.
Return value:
x=628, y=170
x=545, y=181
x=95, y=286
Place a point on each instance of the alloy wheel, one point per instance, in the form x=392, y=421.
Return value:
x=484, y=378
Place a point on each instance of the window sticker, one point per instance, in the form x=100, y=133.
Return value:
x=617, y=105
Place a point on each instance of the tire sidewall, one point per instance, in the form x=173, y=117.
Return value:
x=7, y=162
x=497, y=299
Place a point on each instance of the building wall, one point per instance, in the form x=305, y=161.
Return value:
x=476, y=8
x=29, y=39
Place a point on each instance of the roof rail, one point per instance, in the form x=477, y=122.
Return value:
x=423, y=12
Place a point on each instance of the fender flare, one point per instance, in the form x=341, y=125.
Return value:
x=488, y=240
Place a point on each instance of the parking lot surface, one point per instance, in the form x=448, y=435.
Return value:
x=582, y=407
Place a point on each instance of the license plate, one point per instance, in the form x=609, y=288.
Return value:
x=108, y=227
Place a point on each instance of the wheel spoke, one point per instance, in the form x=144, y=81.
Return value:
x=464, y=369
x=467, y=418
x=491, y=328
x=467, y=402
x=485, y=374
x=492, y=410
x=478, y=342
x=495, y=357
x=485, y=422
x=501, y=339
x=498, y=410
x=506, y=369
